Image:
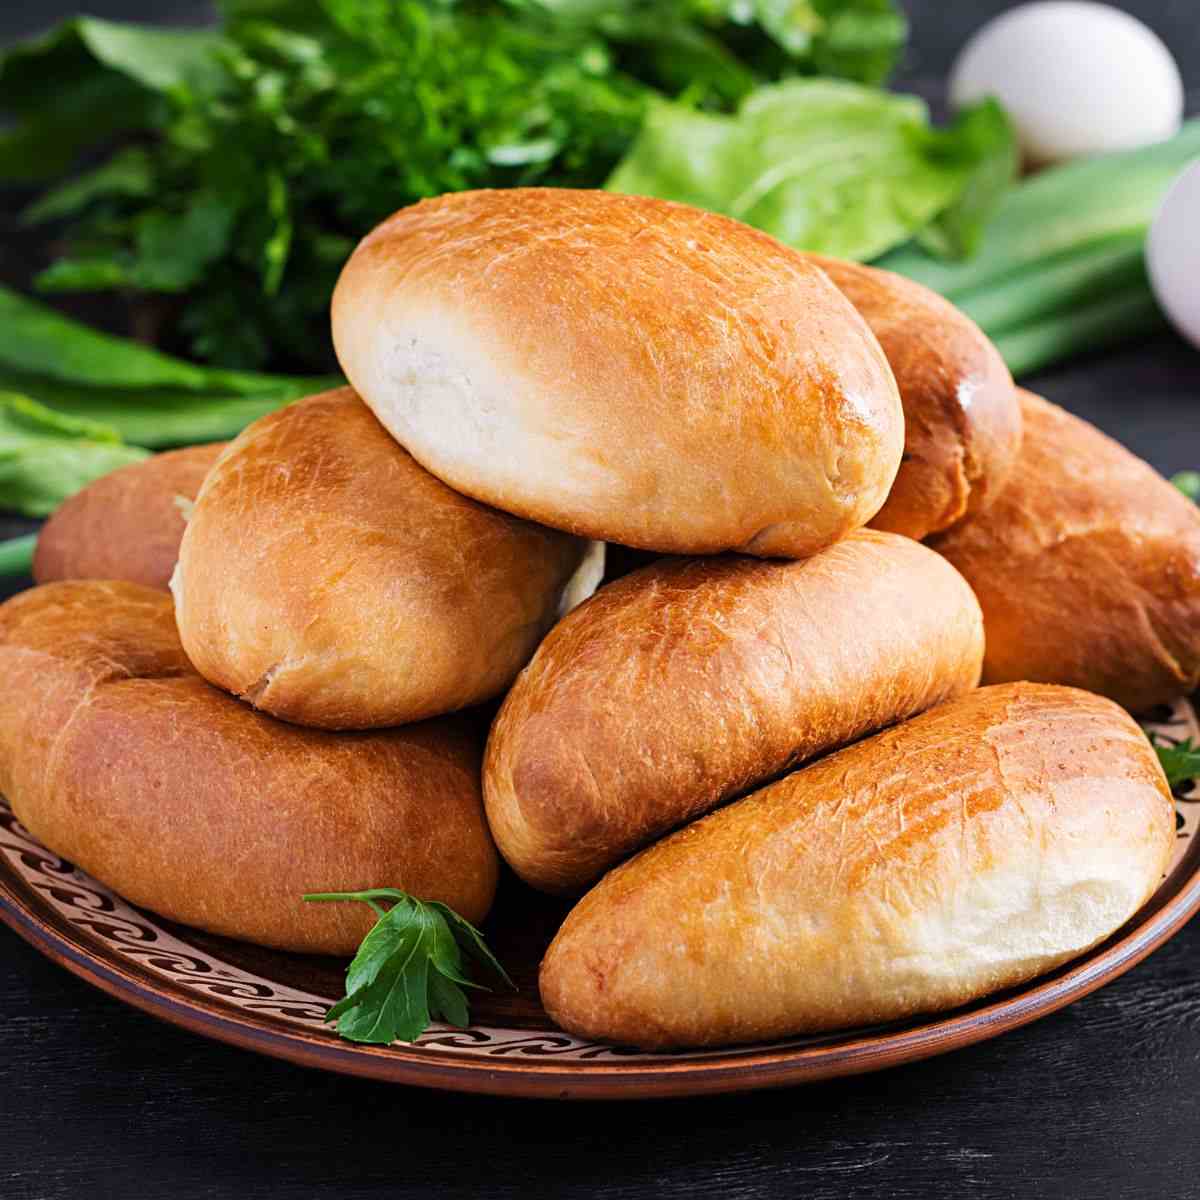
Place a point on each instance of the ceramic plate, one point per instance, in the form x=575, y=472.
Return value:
x=274, y=1003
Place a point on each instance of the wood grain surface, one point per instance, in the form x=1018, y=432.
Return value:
x=1098, y=1102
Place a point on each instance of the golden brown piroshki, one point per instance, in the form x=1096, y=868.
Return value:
x=119, y=757
x=962, y=422
x=967, y=850
x=127, y=524
x=330, y=580
x=689, y=681
x=1087, y=567
x=625, y=368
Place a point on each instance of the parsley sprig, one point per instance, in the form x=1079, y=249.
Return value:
x=1180, y=760
x=409, y=970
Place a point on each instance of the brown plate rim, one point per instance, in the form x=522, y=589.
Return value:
x=745, y=1069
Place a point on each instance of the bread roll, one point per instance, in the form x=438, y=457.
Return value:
x=119, y=757
x=624, y=368
x=965, y=851
x=962, y=423
x=127, y=524
x=689, y=681
x=329, y=580
x=1087, y=567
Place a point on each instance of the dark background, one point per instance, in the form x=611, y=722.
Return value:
x=1099, y=1101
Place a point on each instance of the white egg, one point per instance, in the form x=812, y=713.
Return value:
x=1173, y=253
x=1076, y=77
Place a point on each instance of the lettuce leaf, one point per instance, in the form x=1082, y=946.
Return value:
x=826, y=165
x=985, y=135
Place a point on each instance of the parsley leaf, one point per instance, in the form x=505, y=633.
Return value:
x=409, y=969
x=1180, y=760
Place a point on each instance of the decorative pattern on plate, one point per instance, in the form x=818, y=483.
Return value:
x=138, y=939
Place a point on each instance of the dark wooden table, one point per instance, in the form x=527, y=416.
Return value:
x=1100, y=1102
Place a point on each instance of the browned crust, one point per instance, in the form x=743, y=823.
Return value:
x=624, y=368
x=689, y=681
x=127, y=524
x=330, y=580
x=962, y=423
x=1087, y=567
x=963, y=852
x=120, y=758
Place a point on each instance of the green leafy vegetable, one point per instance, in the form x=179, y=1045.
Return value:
x=1061, y=267
x=128, y=173
x=38, y=340
x=719, y=50
x=45, y=456
x=1058, y=211
x=157, y=58
x=170, y=252
x=263, y=150
x=156, y=418
x=62, y=99
x=145, y=397
x=16, y=555
x=1061, y=283
x=89, y=79
x=854, y=41
x=409, y=969
x=1180, y=760
x=986, y=136
x=828, y=166
x=1102, y=321
x=1188, y=482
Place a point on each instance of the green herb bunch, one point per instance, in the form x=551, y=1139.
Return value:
x=234, y=169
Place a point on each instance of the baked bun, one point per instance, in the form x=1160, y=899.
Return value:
x=962, y=422
x=127, y=524
x=624, y=368
x=116, y=755
x=689, y=681
x=968, y=850
x=328, y=579
x=1087, y=567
